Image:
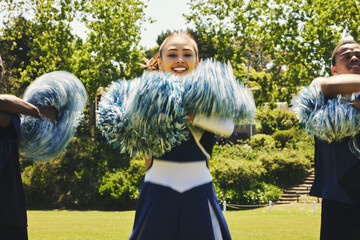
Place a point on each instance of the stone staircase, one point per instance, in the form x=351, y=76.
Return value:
x=294, y=193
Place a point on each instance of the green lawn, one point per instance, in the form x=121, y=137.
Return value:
x=295, y=221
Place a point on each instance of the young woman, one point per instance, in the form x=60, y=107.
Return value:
x=177, y=199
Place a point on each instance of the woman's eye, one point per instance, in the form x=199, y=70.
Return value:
x=188, y=55
x=172, y=55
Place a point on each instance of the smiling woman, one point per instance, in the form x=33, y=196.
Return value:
x=178, y=54
x=177, y=199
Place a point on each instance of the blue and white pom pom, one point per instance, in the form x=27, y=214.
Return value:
x=40, y=139
x=309, y=99
x=330, y=121
x=212, y=90
x=152, y=118
x=111, y=116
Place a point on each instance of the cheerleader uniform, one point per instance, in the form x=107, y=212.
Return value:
x=177, y=199
x=337, y=182
x=13, y=219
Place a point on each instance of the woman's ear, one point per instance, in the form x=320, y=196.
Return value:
x=333, y=70
x=160, y=64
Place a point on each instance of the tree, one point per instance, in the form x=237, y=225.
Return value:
x=298, y=35
x=14, y=51
x=108, y=53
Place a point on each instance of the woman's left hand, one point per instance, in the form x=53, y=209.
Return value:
x=190, y=118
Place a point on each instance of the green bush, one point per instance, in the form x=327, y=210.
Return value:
x=259, y=193
x=120, y=189
x=42, y=186
x=242, y=182
x=262, y=141
x=285, y=167
x=274, y=120
x=229, y=173
x=236, y=152
x=262, y=193
x=285, y=137
x=72, y=180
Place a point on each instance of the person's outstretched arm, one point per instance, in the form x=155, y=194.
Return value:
x=12, y=104
x=224, y=127
x=339, y=84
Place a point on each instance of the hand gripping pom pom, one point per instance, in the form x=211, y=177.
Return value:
x=40, y=139
x=212, y=90
x=150, y=117
x=332, y=121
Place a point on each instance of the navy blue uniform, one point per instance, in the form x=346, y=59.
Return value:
x=13, y=220
x=163, y=213
x=337, y=182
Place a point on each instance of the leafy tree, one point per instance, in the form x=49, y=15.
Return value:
x=108, y=53
x=14, y=50
x=299, y=36
x=49, y=25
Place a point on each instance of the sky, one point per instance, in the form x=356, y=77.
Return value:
x=168, y=15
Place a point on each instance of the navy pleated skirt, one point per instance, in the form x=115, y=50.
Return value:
x=165, y=214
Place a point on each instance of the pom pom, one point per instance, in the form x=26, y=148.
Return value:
x=40, y=139
x=150, y=119
x=332, y=121
x=212, y=90
x=308, y=100
x=111, y=116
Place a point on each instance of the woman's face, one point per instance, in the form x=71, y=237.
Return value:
x=178, y=56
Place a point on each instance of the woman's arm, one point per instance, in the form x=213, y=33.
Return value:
x=224, y=127
x=12, y=104
x=339, y=84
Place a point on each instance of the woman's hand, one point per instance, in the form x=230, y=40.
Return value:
x=48, y=113
x=148, y=162
x=190, y=118
x=354, y=103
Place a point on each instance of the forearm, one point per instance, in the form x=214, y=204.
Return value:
x=218, y=126
x=339, y=84
x=12, y=104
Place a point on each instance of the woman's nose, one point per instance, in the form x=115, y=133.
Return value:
x=354, y=58
x=180, y=60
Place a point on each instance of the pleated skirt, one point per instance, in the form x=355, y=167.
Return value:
x=165, y=214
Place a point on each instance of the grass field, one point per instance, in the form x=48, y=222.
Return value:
x=294, y=222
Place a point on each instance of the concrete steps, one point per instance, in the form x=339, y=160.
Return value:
x=294, y=193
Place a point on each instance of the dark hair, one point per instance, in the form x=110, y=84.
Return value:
x=333, y=62
x=152, y=64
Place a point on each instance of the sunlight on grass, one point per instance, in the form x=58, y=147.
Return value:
x=295, y=221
